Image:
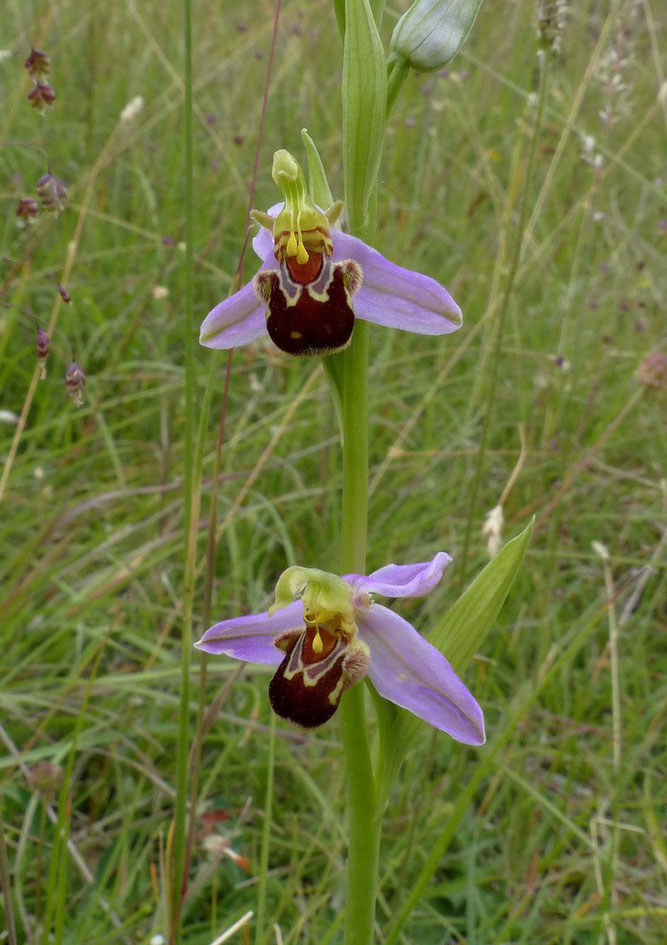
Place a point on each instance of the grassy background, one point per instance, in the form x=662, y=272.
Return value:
x=561, y=842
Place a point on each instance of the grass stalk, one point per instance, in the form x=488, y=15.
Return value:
x=543, y=62
x=191, y=498
x=6, y=885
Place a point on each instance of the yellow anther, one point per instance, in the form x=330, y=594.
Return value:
x=318, y=646
x=291, y=248
x=301, y=254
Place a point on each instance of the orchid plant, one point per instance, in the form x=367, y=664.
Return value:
x=316, y=290
x=315, y=279
x=333, y=634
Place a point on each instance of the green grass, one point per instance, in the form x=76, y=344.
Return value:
x=560, y=842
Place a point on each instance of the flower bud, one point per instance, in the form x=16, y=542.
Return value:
x=64, y=294
x=38, y=64
x=75, y=381
x=431, y=33
x=42, y=95
x=27, y=211
x=52, y=192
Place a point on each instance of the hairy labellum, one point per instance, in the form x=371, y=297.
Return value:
x=319, y=665
x=309, y=306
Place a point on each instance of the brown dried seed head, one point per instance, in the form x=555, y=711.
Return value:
x=43, y=94
x=27, y=211
x=652, y=371
x=46, y=777
x=75, y=381
x=42, y=351
x=42, y=344
x=52, y=192
x=38, y=64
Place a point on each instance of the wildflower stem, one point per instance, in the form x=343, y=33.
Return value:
x=355, y=452
x=364, y=100
x=364, y=824
x=191, y=496
x=266, y=834
x=397, y=73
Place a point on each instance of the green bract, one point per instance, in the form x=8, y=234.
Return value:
x=364, y=111
x=431, y=33
x=458, y=635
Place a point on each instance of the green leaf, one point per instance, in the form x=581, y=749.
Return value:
x=458, y=635
x=339, y=10
x=364, y=91
x=377, y=6
x=318, y=184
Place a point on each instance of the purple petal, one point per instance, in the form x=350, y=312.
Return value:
x=396, y=297
x=262, y=242
x=252, y=638
x=237, y=320
x=402, y=580
x=407, y=670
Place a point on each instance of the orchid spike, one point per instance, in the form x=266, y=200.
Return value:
x=333, y=634
x=315, y=280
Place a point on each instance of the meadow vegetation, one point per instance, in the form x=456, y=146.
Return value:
x=560, y=275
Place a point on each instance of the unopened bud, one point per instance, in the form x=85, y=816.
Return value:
x=42, y=95
x=38, y=64
x=42, y=351
x=75, y=381
x=27, y=211
x=64, y=295
x=52, y=192
x=431, y=33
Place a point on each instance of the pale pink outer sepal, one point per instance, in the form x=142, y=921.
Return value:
x=252, y=637
x=403, y=580
x=406, y=669
x=389, y=295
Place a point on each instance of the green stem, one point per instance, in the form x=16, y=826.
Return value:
x=364, y=822
x=355, y=451
x=191, y=496
x=266, y=835
x=397, y=73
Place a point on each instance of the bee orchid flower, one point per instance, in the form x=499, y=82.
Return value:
x=315, y=280
x=324, y=633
